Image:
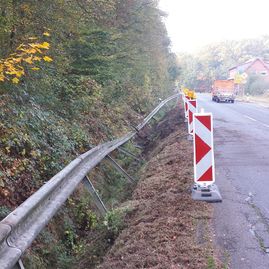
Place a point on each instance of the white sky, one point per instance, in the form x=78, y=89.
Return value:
x=192, y=24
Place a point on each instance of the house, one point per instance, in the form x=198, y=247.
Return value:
x=254, y=66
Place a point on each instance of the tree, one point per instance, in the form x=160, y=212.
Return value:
x=214, y=61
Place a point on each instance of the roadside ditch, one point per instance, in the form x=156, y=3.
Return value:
x=163, y=226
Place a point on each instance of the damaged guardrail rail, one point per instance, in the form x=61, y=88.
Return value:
x=19, y=229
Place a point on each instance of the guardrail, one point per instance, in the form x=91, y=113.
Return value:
x=21, y=227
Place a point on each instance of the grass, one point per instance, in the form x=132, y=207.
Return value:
x=211, y=263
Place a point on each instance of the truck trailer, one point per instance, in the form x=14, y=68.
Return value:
x=223, y=91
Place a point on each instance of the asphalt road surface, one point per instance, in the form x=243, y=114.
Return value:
x=241, y=221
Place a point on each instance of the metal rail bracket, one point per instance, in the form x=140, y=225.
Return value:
x=97, y=199
x=120, y=169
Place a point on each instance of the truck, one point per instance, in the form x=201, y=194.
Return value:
x=223, y=91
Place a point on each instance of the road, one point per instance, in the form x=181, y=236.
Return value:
x=241, y=221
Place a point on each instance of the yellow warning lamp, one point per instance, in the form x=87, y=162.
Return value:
x=190, y=94
x=186, y=91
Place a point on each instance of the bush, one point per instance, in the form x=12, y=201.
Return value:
x=114, y=223
x=4, y=211
x=256, y=85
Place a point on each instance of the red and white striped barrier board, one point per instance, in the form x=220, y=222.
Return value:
x=192, y=105
x=186, y=107
x=204, y=167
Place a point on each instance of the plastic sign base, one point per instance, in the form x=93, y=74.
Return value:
x=209, y=194
x=190, y=137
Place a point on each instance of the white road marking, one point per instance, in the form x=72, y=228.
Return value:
x=249, y=118
x=263, y=124
x=263, y=105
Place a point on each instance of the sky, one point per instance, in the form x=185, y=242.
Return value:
x=193, y=24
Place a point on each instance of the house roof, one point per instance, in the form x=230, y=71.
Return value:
x=243, y=67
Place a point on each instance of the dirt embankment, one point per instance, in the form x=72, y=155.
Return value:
x=166, y=229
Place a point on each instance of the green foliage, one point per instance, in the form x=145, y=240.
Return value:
x=114, y=223
x=53, y=253
x=86, y=219
x=59, y=257
x=211, y=263
x=256, y=85
x=33, y=261
x=4, y=211
x=70, y=236
x=113, y=189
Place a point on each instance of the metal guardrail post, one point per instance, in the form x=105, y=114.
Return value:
x=19, y=265
x=97, y=199
x=120, y=169
x=138, y=146
x=130, y=154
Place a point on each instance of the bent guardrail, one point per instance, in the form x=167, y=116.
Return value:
x=21, y=227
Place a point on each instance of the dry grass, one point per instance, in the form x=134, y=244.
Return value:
x=166, y=228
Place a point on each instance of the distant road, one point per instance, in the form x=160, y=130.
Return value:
x=241, y=222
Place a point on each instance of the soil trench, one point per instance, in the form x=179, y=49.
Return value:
x=165, y=228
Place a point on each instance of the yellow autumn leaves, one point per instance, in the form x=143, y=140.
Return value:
x=47, y=59
x=46, y=34
x=15, y=65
